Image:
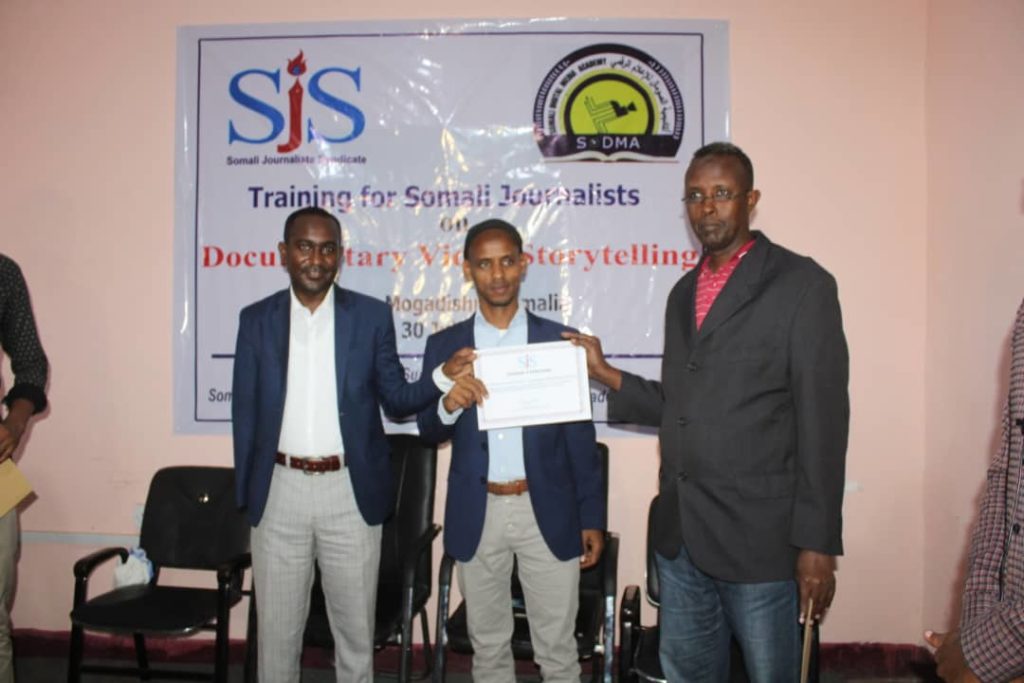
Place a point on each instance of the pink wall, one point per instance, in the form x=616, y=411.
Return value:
x=975, y=106
x=853, y=113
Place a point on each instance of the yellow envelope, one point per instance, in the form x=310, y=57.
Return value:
x=13, y=486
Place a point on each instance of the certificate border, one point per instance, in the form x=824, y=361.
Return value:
x=586, y=411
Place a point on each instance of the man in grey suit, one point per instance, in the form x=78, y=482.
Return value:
x=753, y=417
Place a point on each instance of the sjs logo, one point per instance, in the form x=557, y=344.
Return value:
x=324, y=87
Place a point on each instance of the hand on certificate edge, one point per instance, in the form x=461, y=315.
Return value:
x=597, y=366
x=460, y=363
x=12, y=427
x=467, y=391
x=949, y=656
x=593, y=544
x=816, y=578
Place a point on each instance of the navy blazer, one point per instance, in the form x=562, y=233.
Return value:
x=562, y=465
x=369, y=375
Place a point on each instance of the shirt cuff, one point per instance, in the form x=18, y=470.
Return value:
x=29, y=392
x=447, y=418
x=441, y=380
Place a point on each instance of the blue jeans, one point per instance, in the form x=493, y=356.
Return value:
x=700, y=614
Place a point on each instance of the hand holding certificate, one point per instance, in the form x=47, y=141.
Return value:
x=532, y=384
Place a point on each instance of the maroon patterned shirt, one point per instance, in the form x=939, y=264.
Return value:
x=711, y=282
x=992, y=621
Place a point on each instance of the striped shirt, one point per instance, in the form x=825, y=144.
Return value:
x=710, y=283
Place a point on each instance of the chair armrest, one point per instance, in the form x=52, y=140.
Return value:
x=611, y=582
x=444, y=572
x=611, y=565
x=232, y=569
x=412, y=558
x=629, y=614
x=85, y=566
x=444, y=588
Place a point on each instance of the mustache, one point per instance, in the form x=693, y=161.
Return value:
x=315, y=270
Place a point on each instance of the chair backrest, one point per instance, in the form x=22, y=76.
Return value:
x=191, y=521
x=653, y=588
x=414, y=468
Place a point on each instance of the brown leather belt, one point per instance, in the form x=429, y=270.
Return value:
x=507, y=488
x=329, y=463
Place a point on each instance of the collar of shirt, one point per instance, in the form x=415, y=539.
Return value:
x=730, y=265
x=324, y=310
x=486, y=335
x=710, y=283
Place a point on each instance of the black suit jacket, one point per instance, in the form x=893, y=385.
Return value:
x=753, y=417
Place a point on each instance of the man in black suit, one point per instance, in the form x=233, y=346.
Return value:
x=753, y=417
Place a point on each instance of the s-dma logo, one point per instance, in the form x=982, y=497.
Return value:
x=608, y=103
x=317, y=106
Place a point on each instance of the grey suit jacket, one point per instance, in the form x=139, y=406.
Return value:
x=753, y=417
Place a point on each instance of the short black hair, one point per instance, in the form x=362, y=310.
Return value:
x=310, y=211
x=727, y=149
x=492, y=224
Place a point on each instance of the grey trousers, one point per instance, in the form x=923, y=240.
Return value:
x=8, y=555
x=314, y=517
x=550, y=589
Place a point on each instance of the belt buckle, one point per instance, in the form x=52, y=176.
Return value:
x=309, y=461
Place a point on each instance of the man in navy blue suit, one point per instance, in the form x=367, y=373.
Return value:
x=532, y=493
x=313, y=366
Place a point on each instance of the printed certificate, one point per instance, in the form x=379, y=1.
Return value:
x=533, y=384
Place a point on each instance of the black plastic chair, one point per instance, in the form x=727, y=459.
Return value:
x=190, y=522
x=595, y=620
x=406, y=559
x=638, y=644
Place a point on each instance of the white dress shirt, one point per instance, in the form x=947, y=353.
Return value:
x=310, y=426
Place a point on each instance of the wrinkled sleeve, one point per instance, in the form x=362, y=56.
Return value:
x=20, y=339
x=819, y=375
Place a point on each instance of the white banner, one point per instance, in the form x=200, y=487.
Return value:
x=576, y=131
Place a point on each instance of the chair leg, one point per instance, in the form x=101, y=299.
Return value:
x=221, y=645
x=141, y=657
x=75, y=654
x=428, y=657
x=406, y=661
x=444, y=584
x=251, y=643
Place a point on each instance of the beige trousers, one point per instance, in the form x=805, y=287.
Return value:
x=550, y=588
x=307, y=518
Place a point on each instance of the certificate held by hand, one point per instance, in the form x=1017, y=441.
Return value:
x=533, y=384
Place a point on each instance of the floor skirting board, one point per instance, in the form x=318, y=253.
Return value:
x=839, y=661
